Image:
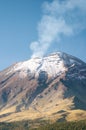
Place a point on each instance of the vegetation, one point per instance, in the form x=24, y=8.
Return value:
x=24, y=125
x=80, y=125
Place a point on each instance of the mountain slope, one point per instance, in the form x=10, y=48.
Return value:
x=52, y=87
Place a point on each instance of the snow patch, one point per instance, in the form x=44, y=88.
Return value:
x=52, y=64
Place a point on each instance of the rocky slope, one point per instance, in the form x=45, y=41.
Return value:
x=52, y=87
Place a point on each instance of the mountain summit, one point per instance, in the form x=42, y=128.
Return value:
x=52, y=87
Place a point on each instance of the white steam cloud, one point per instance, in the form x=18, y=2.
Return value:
x=65, y=17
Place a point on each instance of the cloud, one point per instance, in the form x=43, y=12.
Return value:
x=65, y=17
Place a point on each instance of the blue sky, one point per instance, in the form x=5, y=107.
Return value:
x=24, y=29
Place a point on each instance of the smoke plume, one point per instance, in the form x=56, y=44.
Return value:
x=60, y=17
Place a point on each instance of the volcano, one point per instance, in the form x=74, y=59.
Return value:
x=48, y=88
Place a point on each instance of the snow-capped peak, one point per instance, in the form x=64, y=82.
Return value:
x=54, y=64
